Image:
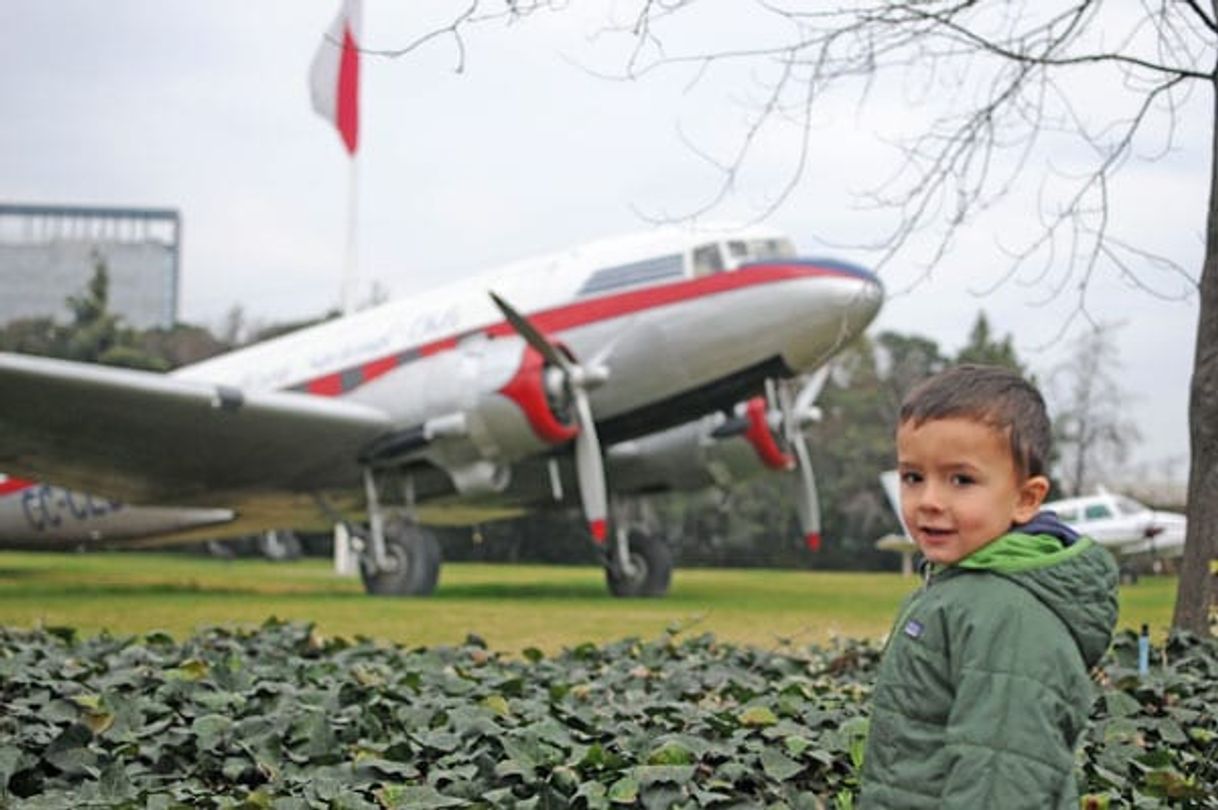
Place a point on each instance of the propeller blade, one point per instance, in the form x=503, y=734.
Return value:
x=590, y=469
x=533, y=336
x=807, y=502
x=589, y=462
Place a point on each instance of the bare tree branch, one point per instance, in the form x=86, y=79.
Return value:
x=513, y=10
x=1206, y=20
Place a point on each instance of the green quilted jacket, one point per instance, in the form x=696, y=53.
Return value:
x=984, y=690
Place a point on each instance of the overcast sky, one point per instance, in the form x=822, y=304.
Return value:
x=204, y=107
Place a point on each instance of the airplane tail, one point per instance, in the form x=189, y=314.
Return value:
x=890, y=480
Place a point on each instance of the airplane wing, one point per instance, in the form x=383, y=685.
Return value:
x=146, y=437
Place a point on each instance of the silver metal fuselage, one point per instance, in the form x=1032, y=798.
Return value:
x=674, y=350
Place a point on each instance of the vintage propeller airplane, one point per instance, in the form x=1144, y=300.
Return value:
x=634, y=365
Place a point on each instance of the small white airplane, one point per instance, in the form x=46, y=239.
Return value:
x=1129, y=529
x=639, y=367
x=1126, y=526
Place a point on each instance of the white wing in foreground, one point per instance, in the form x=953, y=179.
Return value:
x=145, y=437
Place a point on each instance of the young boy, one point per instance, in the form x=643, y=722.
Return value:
x=983, y=690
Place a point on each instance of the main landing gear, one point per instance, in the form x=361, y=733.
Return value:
x=410, y=565
x=638, y=565
x=637, y=562
x=397, y=556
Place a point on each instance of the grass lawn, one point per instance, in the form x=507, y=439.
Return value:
x=511, y=606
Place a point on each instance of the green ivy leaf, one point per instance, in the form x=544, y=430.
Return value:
x=757, y=717
x=671, y=753
x=624, y=791
x=594, y=794
x=778, y=766
x=210, y=728
x=497, y=704
x=1119, y=704
x=409, y=796
x=672, y=774
x=191, y=669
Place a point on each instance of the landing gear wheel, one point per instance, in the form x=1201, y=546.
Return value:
x=412, y=558
x=652, y=562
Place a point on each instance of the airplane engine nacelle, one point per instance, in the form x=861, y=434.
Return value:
x=713, y=451
x=504, y=403
x=528, y=412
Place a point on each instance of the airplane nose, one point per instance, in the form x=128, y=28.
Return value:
x=863, y=304
x=836, y=302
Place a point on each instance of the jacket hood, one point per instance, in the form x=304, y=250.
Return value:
x=1047, y=522
x=1074, y=577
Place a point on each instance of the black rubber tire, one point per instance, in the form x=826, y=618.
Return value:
x=414, y=556
x=652, y=560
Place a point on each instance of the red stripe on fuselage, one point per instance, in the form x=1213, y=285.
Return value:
x=581, y=313
x=330, y=385
x=370, y=371
x=435, y=347
x=626, y=303
x=10, y=485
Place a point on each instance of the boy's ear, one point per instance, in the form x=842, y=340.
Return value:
x=1032, y=494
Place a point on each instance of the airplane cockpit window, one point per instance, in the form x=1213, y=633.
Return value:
x=741, y=252
x=773, y=248
x=634, y=274
x=1128, y=506
x=707, y=260
x=1097, y=511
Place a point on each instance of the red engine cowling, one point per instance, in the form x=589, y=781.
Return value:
x=512, y=404
x=713, y=451
x=547, y=415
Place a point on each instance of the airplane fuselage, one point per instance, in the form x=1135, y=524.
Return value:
x=677, y=335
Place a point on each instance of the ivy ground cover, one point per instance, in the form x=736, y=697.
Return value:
x=280, y=717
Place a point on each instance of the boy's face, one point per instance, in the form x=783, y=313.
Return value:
x=960, y=488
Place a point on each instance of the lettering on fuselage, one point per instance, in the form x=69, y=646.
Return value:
x=420, y=330
x=329, y=359
x=435, y=324
x=49, y=507
x=424, y=326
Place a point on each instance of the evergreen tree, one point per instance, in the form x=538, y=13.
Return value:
x=94, y=330
x=983, y=349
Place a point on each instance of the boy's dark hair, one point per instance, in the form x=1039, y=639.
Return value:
x=993, y=395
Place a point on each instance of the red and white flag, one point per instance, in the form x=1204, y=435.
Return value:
x=334, y=74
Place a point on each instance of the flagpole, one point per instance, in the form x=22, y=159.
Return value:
x=351, y=259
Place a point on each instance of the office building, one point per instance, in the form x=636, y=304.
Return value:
x=48, y=252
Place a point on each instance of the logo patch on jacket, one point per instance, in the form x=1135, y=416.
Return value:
x=914, y=628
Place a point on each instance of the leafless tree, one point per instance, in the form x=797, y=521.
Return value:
x=999, y=82
x=1091, y=430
